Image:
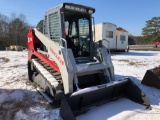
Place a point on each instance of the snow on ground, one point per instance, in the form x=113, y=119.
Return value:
x=19, y=100
x=134, y=65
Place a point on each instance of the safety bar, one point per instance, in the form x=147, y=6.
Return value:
x=108, y=44
x=62, y=39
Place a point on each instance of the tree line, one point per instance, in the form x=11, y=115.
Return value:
x=150, y=33
x=13, y=30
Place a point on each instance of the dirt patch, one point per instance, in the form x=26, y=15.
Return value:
x=10, y=108
x=19, y=100
x=15, y=66
x=136, y=64
x=19, y=65
x=127, y=61
x=132, y=63
x=123, y=60
x=3, y=59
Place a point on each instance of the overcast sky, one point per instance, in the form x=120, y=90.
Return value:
x=128, y=14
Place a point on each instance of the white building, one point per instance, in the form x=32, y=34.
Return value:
x=106, y=31
x=122, y=40
x=118, y=40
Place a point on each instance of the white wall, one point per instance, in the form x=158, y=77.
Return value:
x=98, y=32
x=122, y=43
x=109, y=27
x=101, y=33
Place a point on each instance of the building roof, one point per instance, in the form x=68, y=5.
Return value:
x=117, y=31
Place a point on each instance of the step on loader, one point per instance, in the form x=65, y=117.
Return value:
x=152, y=77
x=66, y=63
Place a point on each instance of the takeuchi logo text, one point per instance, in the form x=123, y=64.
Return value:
x=58, y=58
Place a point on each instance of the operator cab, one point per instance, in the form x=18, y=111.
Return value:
x=77, y=31
x=73, y=23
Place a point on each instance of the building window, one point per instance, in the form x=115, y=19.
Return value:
x=109, y=34
x=122, y=37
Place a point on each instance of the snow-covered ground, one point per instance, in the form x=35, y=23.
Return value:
x=19, y=100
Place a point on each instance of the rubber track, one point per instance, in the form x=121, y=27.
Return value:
x=53, y=72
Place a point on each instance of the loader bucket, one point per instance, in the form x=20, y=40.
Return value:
x=152, y=78
x=81, y=101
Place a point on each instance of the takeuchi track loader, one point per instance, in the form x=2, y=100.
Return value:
x=70, y=67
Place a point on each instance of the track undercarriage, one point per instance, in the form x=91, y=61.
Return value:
x=41, y=74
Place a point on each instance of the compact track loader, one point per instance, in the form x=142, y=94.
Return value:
x=152, y=77
x=70, y=67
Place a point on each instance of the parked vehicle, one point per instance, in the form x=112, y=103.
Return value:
x=156, y=44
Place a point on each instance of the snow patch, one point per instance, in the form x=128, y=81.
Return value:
x=20, y=115
x=120, y=109
x=81, y=67
x=13, y=89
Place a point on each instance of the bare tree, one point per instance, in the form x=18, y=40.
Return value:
x=13, y=30
x=4, y=21
x=17, y=31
